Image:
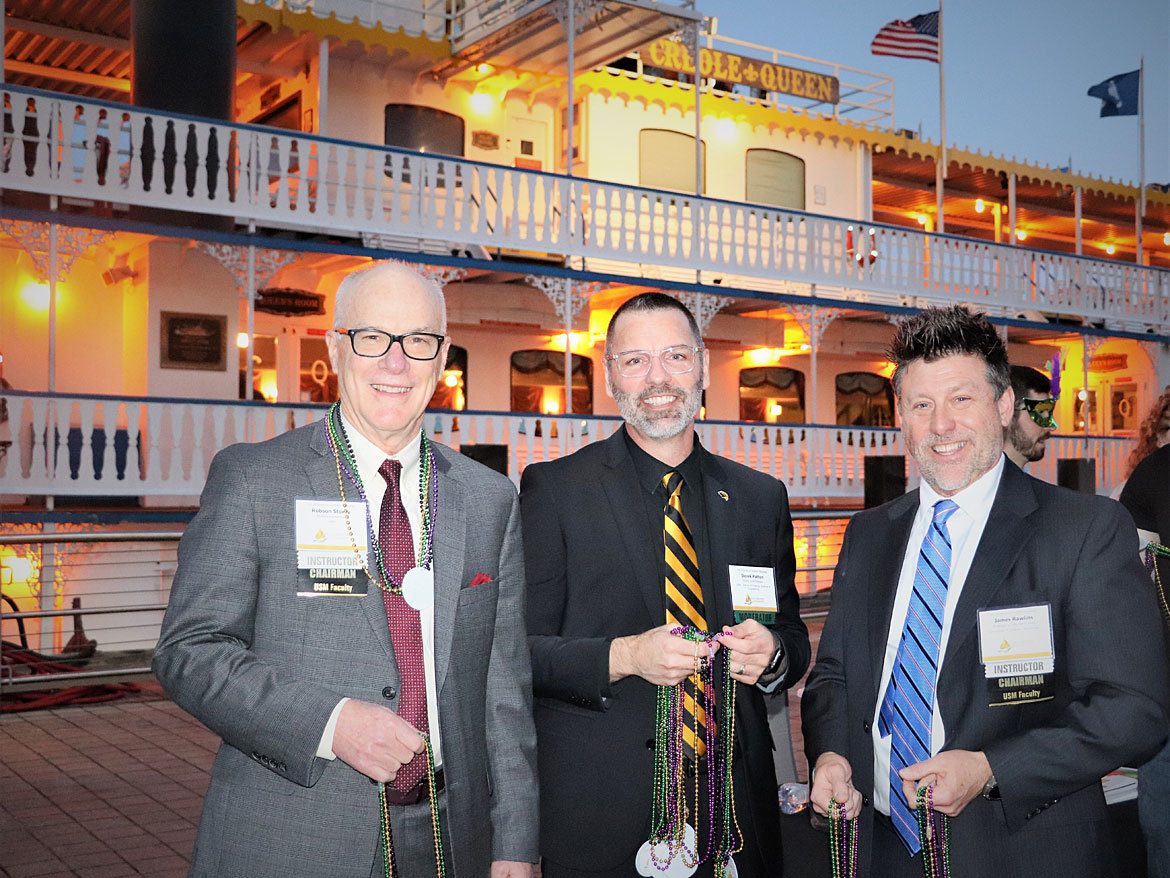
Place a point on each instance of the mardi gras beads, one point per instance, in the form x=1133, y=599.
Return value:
x=843, y=835
x=1152, y=553
x=934, y=833
x=673, y=841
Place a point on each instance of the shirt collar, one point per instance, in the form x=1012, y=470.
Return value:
x=977, y=496
x=369, y=456
x=650, y=469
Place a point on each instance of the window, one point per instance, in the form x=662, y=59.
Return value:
x=578, y=131
x=538, y=383
x=774, y=178
x=283, y=114
x=318, y=383
x=771, y=394
x=263, y=369
x=666, y=160
x=864, y=400
x=424, y=129
x=451, y=391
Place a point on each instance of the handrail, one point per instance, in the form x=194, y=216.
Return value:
x=117, y=536
x=559, y=418
x=563, y=178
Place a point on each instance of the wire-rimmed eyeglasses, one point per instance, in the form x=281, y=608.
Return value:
x=677, y=359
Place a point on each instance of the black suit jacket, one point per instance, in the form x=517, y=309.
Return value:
x=590, y=580
x=1042, y=545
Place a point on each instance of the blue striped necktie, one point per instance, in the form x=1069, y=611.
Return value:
x=908, y=707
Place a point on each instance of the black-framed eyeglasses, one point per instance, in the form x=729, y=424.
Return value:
x=375, y=343
x=1040, y=411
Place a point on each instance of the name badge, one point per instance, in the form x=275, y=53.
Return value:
x=1023, y=689
x=753, y=593
x=331, y=534
x=1016, y=641
x=335, y=582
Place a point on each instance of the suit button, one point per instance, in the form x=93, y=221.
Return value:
x=649, y=743
x=389, y=692
x=866, y=726
x=865, y=801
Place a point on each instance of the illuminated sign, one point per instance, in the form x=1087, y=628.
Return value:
x=715, y=64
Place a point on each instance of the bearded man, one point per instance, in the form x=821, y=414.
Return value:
x=626, y=540
x=1032, y=424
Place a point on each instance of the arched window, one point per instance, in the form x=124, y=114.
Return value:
x=666, y=160
x=864, y=400
x=538, y=383
x=775, y=178
x=451, y=391
x=771, y=394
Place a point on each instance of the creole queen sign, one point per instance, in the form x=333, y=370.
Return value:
x=675, y=56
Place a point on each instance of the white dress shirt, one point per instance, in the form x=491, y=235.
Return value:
x=966, y=528
x=369, y=458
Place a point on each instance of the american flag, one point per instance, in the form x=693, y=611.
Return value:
x=916, y=38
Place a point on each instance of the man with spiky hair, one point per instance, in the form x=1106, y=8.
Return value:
x=967, y=654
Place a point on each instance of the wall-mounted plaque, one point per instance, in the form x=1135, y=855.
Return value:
x=193, y=341
x=485, y=140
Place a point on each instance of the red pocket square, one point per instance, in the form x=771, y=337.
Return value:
x=479, y=579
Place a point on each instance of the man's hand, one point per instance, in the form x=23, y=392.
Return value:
x=833, y=779
x=751, y=646
x=958, y=777
x=512, y=869
x=655, y=655
x=374, y=740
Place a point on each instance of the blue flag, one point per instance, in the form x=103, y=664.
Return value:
x=1119, y=94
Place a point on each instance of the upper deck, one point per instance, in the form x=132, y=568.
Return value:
x=99, y=157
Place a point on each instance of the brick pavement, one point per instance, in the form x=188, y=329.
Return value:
x=115, y=789
x=101, y=791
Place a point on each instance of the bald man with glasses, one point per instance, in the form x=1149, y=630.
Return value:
x=347, y=615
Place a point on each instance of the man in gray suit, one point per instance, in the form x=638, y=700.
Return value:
x=331, y=647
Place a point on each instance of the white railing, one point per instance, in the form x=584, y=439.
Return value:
x=122, y=155
x=142, y=446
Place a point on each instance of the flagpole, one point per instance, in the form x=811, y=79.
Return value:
x=1140, y=206
x=940, y=170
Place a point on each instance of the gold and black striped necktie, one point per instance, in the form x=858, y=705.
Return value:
x=684, y=598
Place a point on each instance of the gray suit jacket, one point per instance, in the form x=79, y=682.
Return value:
x=1042, y=545
x=264, y=669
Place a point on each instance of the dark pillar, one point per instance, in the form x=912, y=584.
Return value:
x=885, y=479
x=184, y=56
x=1078, y=473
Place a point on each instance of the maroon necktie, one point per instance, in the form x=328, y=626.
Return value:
x=397, y=545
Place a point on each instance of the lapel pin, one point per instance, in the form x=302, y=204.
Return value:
x=723, y=495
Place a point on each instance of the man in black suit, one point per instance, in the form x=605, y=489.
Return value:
x=1027, y=575
x=596, y=560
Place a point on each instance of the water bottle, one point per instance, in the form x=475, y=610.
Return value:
x=793, y=797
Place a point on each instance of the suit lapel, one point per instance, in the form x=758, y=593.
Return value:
x=1004, y=536
x=322, y=476
x=721, y=540
x=450, y=551
x=619, y=481
x=886, y=554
